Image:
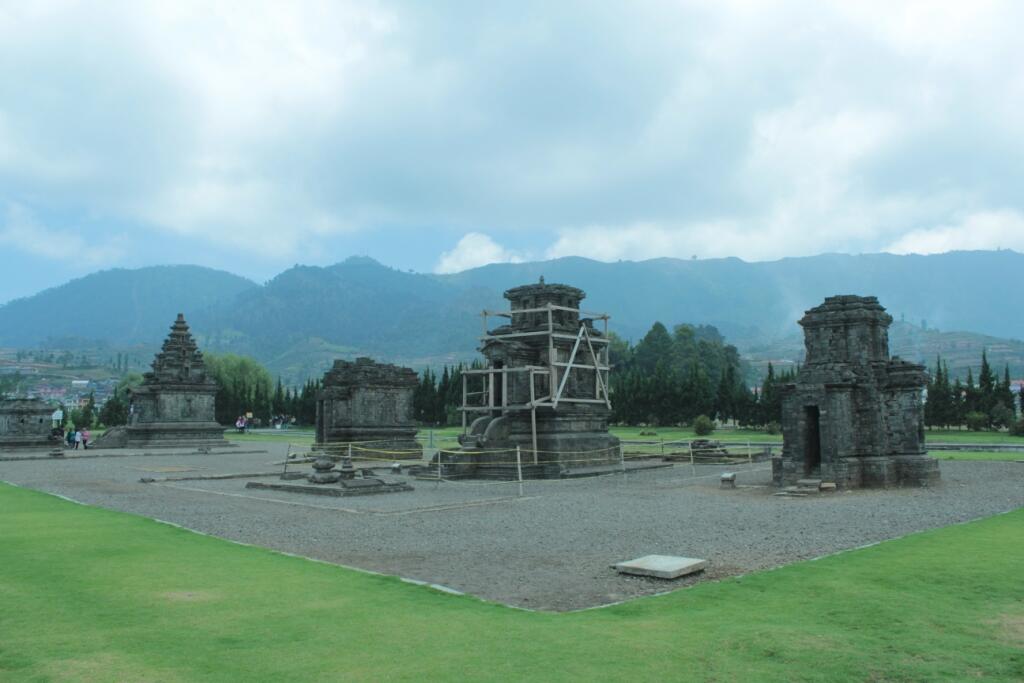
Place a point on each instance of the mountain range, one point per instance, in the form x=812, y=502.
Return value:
x=306, y=316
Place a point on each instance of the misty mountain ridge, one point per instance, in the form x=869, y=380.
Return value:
x=306, y=316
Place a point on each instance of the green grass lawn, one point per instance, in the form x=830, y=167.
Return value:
x=94, y=595
x=978, y=455
x=964, y=436
x=447, y=435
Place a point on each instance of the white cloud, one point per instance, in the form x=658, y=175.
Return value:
x=985, y=230
x=21, y=230
x=285, y=130
x=472, y=251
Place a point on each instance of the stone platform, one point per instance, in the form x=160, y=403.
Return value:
x=345, y=487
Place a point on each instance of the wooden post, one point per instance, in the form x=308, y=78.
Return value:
x=504, y=390
x=622, y=459
x=490, y=391
x=465, y=378
x=693, y=466
x=750, y=455
x=533, y=416
x=519, y=469
x=552, y=358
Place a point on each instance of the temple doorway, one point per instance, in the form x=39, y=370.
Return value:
x=812, y=441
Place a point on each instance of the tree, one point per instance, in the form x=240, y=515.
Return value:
x=671, y=379
x=243, y=386
x=656, y=347
x=986, y=388
x=114, y=411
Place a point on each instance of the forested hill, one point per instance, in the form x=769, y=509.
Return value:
x=975, y=291
x=119, y=306
x=306, y=316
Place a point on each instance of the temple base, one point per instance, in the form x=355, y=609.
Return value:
x=885, y=471
x=176, y=435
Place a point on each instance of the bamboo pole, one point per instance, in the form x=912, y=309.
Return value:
x=519, y=469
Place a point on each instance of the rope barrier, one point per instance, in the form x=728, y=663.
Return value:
x=379, y=455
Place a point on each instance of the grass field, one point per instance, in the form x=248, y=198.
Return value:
x=96, y=595
x=964, y=436
x=978, y=455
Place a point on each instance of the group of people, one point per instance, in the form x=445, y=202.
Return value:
x=76, y=437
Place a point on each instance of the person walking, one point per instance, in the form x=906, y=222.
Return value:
x=70, y=438
x=85, y=438
x=78, y=438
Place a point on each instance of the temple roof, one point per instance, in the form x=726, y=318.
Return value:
x=180, y=361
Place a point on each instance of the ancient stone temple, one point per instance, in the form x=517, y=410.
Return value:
x=854, y=415
x=545, y=389
x=369, y=404
x=25, y=423
x=174, y=406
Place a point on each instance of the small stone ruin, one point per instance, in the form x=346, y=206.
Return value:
x=25, y=424
x=370, y=404
x=854, y=416
x=174, y=406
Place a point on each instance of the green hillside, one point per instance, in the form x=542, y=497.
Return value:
x=299, y=321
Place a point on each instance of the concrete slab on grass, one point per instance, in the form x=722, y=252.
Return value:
x=661, y=566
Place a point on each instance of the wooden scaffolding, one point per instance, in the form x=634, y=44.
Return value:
x=588, y=352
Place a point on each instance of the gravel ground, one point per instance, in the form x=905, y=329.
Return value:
x=550, y=549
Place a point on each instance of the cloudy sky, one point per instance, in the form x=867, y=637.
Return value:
x=436, y=137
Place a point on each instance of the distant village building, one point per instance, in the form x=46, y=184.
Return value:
x=855, y=415
x=174, y=406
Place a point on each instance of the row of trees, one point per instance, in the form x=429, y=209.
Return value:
x=243, y=387
x=989, y=404
x=674, y=378
x=437, y=399
x=665, y=379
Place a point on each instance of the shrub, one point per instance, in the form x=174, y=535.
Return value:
x=1017, y=428
x=1002, y=416
x=976, y=421
x=703, y=425
x=773, y=427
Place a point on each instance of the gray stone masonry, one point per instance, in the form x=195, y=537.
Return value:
x=569, y=436
x=174, y=406
x=25, y=423
x=370, y=404
x=854, y=415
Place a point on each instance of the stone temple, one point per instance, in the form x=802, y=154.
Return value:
x=545, y=389
x=25, y=423
x=855, y=415
x=367, y=403
x=174, y=406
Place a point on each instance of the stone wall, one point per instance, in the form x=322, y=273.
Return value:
x=25, y=423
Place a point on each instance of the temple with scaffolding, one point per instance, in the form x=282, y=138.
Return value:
x=544, y=391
